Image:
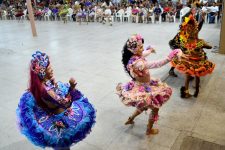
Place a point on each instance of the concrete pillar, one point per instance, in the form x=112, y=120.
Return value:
x=31, y=17
x=222, y=33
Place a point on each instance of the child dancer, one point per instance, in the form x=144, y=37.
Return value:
x=143, y=92
x=53, y=114
x=193, y=62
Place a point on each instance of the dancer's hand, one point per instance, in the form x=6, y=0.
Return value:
x=151, y=49
x=148, y=51
x=174, y=53
x=148, y=47
x=72, y=82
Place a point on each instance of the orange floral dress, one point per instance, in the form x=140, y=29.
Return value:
x=194, y=61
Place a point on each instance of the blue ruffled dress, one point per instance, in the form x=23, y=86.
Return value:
x=46, y=129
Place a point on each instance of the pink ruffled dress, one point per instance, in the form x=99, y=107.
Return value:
x=144, y=91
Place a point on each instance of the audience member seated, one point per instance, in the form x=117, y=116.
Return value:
x=157, y=12
x=166, y=10
x=171, y=14
x=91, y=16
x=135, y=11
x=213, y=13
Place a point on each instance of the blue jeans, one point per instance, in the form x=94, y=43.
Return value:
x=212, y=17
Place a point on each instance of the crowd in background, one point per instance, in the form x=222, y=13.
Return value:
x=138, y=11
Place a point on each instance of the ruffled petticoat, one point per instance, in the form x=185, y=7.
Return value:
x=49, y=130
x=193, y=66
x=140, y=95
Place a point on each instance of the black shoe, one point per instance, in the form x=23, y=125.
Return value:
x=172, y=73
x=183, y=93
x=196, y=93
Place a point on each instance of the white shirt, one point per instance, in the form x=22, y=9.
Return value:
x=204, y=9
x=129, y=10
x=213, y=9
x=121, y=11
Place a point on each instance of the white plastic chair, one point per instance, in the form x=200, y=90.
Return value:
x=152, y=17
x=47, y=15
x=206, y=17
x=4, y=15
x=126, y=16
x=120, y=16
x=24, y=14
x=144, y=16
x=70, y=13
x=174, y=17
x=160, y=18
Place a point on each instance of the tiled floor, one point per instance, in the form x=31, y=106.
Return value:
x=190, y=143
x=92, y=54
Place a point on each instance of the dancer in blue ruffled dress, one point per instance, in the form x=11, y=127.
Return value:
x=53, y=114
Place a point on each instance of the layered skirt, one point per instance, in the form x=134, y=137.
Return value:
x=193, y=66
x=140, y=95
x=46, y=129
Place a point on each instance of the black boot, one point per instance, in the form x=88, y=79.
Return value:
x=184, y=93
x=196, y=93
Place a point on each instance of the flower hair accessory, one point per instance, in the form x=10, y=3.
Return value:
x=39, y=63
x=133, y=42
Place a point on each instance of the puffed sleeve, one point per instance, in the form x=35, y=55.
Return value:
x=157, y=64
